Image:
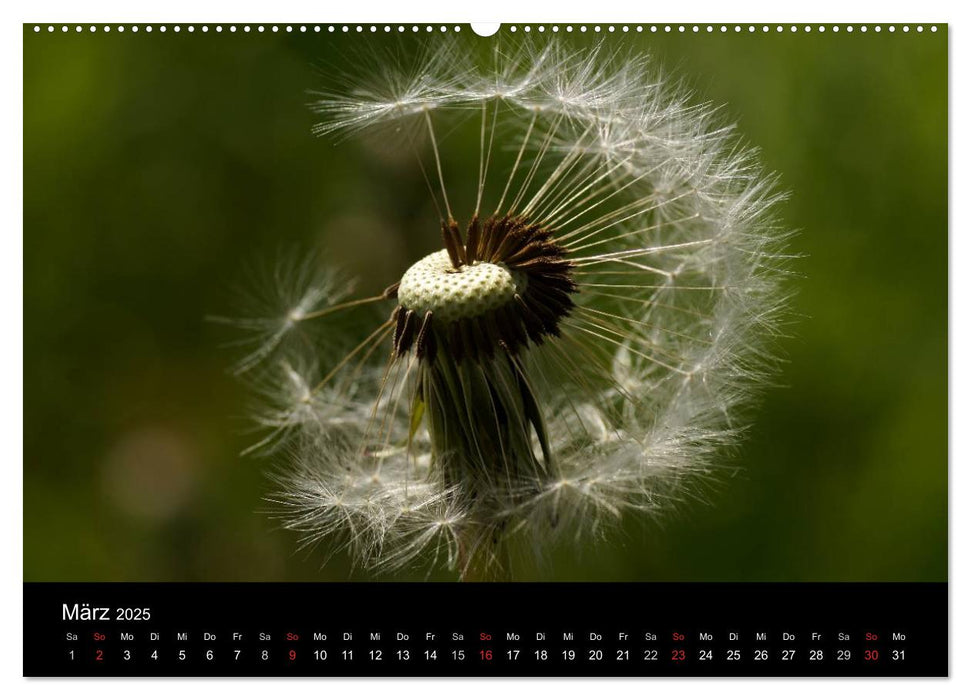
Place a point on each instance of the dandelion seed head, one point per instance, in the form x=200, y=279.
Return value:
x=582, y=346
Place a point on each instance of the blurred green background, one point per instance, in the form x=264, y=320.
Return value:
x=158, y=166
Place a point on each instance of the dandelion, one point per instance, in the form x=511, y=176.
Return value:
x=579, y=347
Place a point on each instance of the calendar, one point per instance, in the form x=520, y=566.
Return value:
x=486, y=630
x=390, y=349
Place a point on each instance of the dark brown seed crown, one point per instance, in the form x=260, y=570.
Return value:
x=534, y=312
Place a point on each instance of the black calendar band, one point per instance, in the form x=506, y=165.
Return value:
x=495, y=629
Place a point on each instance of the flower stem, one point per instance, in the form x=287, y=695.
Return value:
x=483, y=556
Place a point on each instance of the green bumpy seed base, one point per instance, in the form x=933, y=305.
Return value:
x=433, y=284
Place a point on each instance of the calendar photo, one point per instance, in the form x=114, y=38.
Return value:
x=407, y=311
